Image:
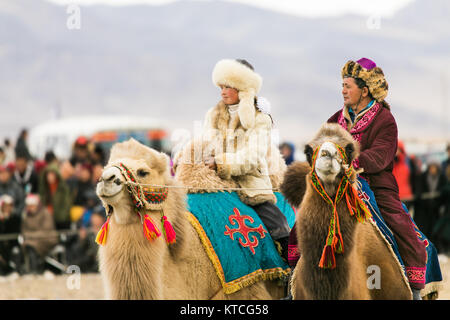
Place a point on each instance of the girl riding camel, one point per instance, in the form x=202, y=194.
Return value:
x=239, y=129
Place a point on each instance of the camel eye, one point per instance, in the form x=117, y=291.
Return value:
x=324, y=153
x=142, y=173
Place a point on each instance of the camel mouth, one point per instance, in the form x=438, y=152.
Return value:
x=106, y=194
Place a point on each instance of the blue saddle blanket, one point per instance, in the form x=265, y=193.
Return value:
x=433, y=272
x=236, y=240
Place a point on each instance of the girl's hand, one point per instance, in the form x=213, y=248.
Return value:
x=211, y=163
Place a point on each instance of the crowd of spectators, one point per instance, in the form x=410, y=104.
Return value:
x=424, y=186
x=46, y=203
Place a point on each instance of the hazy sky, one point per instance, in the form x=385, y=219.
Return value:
x=297, y=7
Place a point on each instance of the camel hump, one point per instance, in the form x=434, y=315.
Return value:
x=293, y=186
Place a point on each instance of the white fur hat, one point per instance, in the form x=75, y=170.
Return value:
x=237, y=75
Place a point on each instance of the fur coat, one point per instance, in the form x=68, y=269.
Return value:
x=246, y=156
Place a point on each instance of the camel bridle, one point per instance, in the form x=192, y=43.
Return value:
x=357, y=208
x=143, y=198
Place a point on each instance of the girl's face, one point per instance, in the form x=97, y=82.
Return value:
x=229, y=95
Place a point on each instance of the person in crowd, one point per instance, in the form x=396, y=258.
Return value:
x=55, y=196
x=441, y=230
x=98, y=156
x=401, y=172
x=6, y=211
x=9, y=152
x=415, y=173
x=22, y=145
x=10, y=187
x=83, y=185
x=287, y=150
x=80, y=152
x=2, y=156
x=84, y=250
x=367, y=116
x=25, y=174
x=39, y=233
x=430, y=200
x=446, y=163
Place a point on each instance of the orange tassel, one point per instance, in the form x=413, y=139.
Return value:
x=170, y=234
x=101, y=235
x=151, y=232
x=328, y=260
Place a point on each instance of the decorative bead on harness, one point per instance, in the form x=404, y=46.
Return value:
x=357, y=208
x=143, y=198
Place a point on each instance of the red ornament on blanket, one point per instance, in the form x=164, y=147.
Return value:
x=244, y=230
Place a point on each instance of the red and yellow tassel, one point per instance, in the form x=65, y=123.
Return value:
x=101, y=235
x=169, y=233
x=151, y=232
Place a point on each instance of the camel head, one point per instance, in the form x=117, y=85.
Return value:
x=147, y=167
x=336, y=149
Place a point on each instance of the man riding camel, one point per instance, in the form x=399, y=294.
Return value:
x=367, y=116
x=239, y=129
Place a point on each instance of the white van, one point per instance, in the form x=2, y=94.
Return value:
x=59, y=135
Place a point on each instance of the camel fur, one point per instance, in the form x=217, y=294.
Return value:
x=365, y=248
x=133, y=267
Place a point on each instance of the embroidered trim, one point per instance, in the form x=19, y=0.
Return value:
x=416, y=274
x=362, y=124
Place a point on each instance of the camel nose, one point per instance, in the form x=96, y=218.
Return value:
x=111, y=175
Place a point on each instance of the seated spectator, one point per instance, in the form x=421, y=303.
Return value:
x=84, y=251
x=6, y=210
x=38, y=230
x=10, y=187
x=25, y=175
x=55, y=196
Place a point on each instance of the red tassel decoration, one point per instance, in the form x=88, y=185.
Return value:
x=101, y=235
x=168, y=231
x=151, y=232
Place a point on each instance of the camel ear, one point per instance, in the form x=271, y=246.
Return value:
x=309, y=151
x=350, y=152
x=159, y=161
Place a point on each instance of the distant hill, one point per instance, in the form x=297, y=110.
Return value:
x=157, y=61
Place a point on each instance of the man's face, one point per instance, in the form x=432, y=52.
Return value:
x=229, y=95
x=21, y=164
x=31, y=208
x=350, y=92
x=4, y=176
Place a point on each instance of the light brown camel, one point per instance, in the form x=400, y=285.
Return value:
x=367, y=267
x=133, y=267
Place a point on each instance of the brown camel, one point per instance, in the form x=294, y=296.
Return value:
x=133, y=267
x=367, y=267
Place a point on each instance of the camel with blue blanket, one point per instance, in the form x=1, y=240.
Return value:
x=160, y=243
x=340, y=246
